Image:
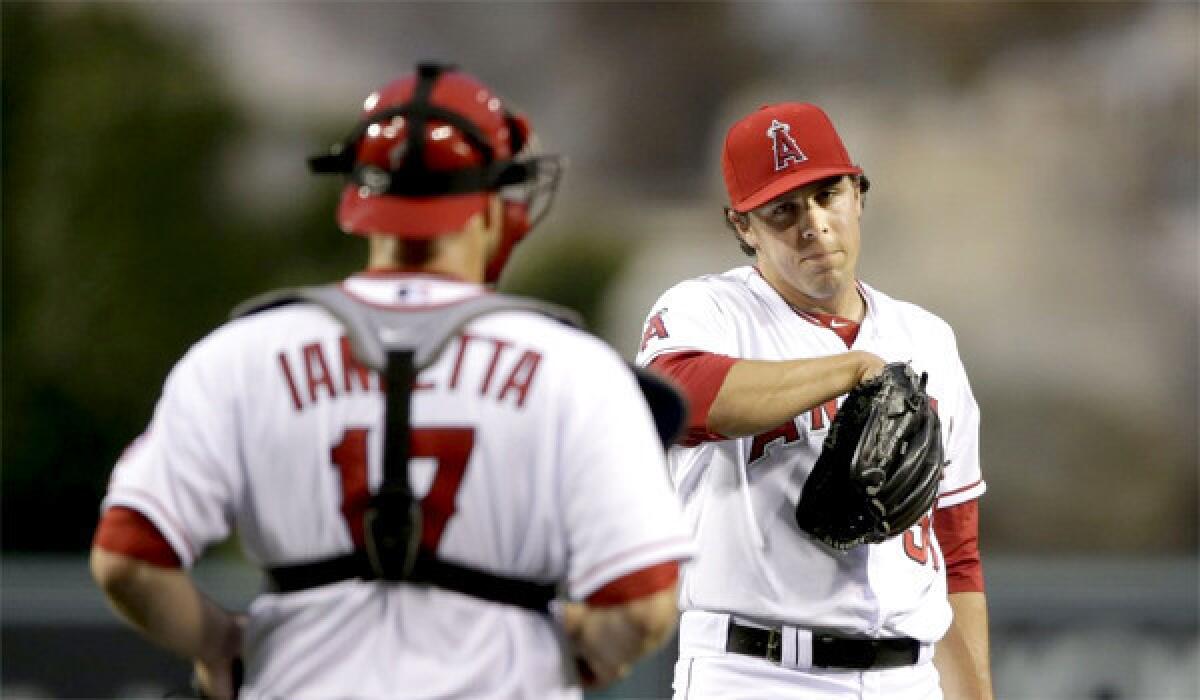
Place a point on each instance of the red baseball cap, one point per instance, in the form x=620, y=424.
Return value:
x=779, y=148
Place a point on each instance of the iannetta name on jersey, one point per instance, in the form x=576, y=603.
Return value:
x=492, y=366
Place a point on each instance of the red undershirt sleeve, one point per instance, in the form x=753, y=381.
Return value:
x=700, y=376
x=127, y=532
x=639, y=584
x=957, y=529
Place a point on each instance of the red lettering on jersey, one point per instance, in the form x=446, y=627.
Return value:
x=521, y=377
x=287, y=375
x=822, y=415
x=463, y=340
x=352, y=371
x=919, y=552
x=452, y=449
x=316, y=370
x=487, y=379
x=655, y=328
x=350, y=457
x=786, y=432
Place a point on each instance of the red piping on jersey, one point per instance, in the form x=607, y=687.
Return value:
x=639, y=584
x=957, y=529
x=127, y=532
x=700, y=375
x=973, y=484
x=408, y=307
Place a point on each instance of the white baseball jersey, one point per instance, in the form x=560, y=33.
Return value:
x=531, y=444
x=740, y=494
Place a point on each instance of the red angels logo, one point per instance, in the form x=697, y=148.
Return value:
x=784, y=146
x=655, y=328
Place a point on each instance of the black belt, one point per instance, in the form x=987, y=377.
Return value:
x=828, y=651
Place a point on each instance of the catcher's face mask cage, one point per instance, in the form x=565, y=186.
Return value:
x=536, y=192
x=428, y=151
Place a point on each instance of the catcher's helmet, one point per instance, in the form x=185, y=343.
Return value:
x=429, y=149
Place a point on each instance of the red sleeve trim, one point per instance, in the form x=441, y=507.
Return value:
x=957, y=529
x=700, y=376
x=973, y=484
x=639, y=584
x=125, y=531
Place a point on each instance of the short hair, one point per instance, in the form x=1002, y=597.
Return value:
x=743, y=219
x=415, y=252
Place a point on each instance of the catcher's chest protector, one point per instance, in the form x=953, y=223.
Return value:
x=398, y=345
x=373, y=331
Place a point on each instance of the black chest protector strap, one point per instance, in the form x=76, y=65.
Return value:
x=399, y=344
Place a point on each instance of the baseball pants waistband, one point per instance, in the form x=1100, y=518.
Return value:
x=709, y=634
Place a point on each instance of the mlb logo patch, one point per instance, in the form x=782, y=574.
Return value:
x=783, y=146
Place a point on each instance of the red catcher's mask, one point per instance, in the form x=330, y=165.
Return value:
x=430, y=149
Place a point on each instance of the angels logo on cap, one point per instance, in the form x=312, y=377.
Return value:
x=783, y=145
x=804, y=148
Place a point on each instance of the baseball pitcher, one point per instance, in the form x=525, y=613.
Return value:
x=830, y=468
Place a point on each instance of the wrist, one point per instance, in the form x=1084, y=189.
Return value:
x=866, y=366
x=223, y=639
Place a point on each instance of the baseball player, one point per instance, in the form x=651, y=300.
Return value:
x=765, y=352
x=418, y=464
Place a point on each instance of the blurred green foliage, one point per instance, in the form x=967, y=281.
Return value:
x=117, y=253
x=121, y=248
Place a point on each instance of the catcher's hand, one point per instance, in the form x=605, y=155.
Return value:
x=879, y=469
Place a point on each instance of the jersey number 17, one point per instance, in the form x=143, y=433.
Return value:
x=449, y=447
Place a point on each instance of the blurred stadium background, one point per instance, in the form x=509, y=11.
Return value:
x=1035, y=183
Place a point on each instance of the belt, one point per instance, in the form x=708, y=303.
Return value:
x=828, y=651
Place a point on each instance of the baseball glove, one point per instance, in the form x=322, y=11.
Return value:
x=880, y=465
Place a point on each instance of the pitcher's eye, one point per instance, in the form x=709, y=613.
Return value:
x=783, y=210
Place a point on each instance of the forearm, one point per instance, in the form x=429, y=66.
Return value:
x=165, y=606
x=962, y=657
x=611, y=638
x=757, y=396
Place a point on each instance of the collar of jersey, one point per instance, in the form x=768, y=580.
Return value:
x=404, y=289
x=818, y=318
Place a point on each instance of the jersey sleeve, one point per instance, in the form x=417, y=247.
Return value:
x=181, y=473
x=957, y=530
x=962, y=478
x=687, y=317
x=127, y=532
x=620, y=513
x=700, y=376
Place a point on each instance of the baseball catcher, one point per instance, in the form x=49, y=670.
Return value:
x=880, y=465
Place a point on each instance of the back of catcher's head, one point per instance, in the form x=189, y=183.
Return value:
x=429, y=151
